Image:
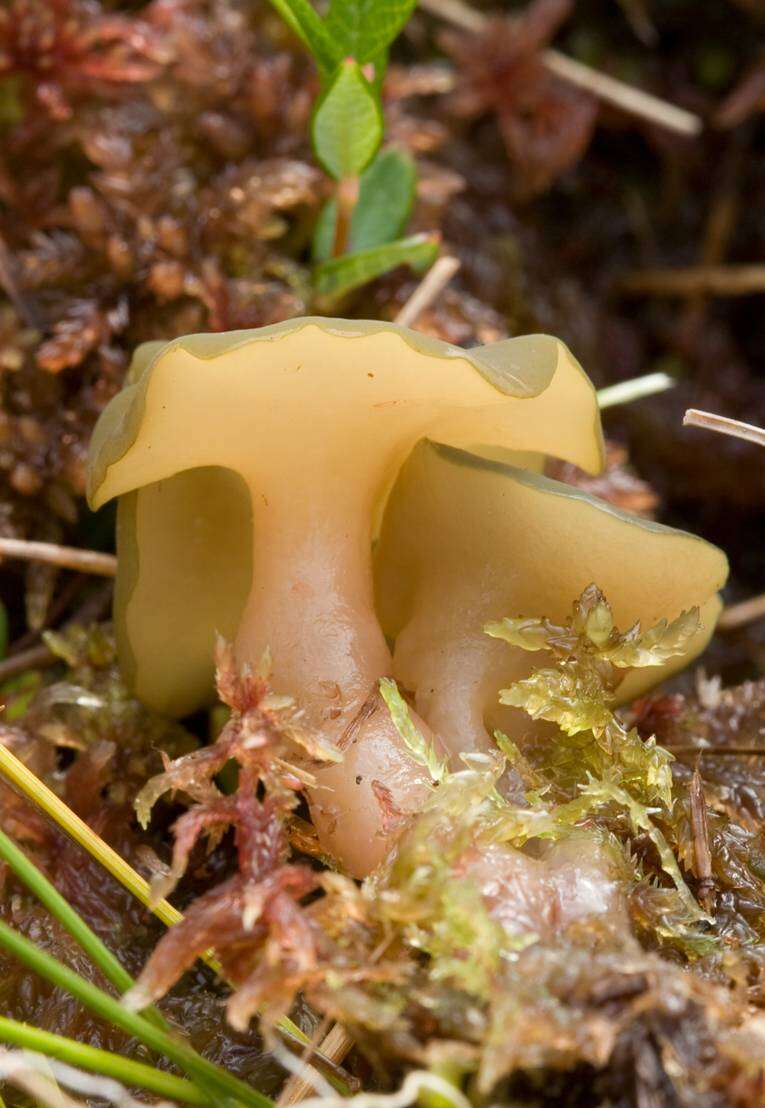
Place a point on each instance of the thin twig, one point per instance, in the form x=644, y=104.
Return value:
x=695, y=280
x=626, y=391
x=627, y=98
x=708, y=421
x=429, y=289
x=738, y=615
x=68, y=557
x=37, y=657
x=701, y=852
x=91, y=610
x=608, y=89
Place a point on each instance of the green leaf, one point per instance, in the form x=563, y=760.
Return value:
x=363, y=28
x=385, y=200
x=418, y=746
x=347, y=125
x=386, y=195
x=302, y=18
x=338, y=276
x=324, y=232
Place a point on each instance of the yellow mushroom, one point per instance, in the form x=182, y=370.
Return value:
x=251, y=468
x=467, y=539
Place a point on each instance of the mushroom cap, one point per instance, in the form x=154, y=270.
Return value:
x=315, y=366
x=279, y=406
x=509, y=542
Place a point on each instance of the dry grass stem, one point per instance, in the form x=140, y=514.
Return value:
x=625, y=97
x=738, y=615
x=696, y=280
x=428, y=290
x=334, y=1046
x=626, y=391
x=68, y=557
x=608, y=89
x=19, y=775
x=708, y=421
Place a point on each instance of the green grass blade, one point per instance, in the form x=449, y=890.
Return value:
x=206, y=1074
x=58, y=907
x=128, y=1072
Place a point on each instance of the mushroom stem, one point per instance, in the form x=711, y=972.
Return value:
x=312, y=607
x=456, y=685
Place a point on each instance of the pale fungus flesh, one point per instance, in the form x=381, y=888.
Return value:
x=468, y=539
x=252, y=468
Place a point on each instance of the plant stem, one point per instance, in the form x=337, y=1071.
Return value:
x=708, y=421
x=207, y=1074
x=696, y=280
x=68, y=557
x=99, y=1061
x=431, y=287
x=347, y=195
x=37, y=657
x=626, y=391
x=738, y=615
x=60, y=908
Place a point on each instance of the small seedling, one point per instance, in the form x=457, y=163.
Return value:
x=360, y=232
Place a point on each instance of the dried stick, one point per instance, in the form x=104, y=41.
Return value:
x=37, y=657
x=695, y=280
x=429, y=289
x=734, y=427
x=738, y=615
x=68, y=557
x=608, y=89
